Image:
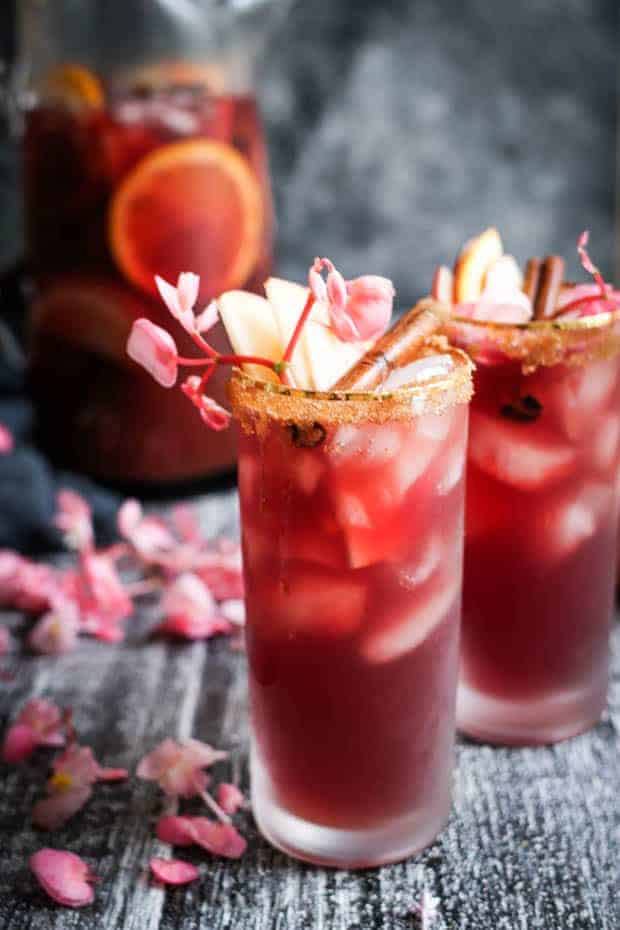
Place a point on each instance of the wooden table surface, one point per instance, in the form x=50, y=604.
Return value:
x=533, y=842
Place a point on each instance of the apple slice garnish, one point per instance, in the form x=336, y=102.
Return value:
x=443, y=284
x=503, y=276
x=320, y=358
x=287, y=301
x=473, y=263
x=251, y=327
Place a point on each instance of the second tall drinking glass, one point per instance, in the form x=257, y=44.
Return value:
x=542, y=513
x=352, y=523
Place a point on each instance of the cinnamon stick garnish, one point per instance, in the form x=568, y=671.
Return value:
x=551, y=276
x=396, y=347
x=532, y=278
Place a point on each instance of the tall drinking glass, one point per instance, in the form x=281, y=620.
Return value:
x=352, y=524
x=541, y=520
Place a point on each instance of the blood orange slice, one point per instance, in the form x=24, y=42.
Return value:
x=74, y=86
x=90, y=313
x=190, y=206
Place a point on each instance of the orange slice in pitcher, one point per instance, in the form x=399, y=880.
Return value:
x=74, y=86
x=94, y=314
x=189, y=206
x=181, y=74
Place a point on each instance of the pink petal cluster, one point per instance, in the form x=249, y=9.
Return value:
x=56, y=631
x=25, y=585
x=74, y=520
x=190, y=610
x=75, y=771
x=220, y=839
x=155, y=349
x=39, y=723
x=211, y=413
x=230, y=798
x=173, y=871
x=178, y=767
x=64, y=876
x=180, y=301
x=98, y=592
x=359, y=309
x=6, y=440
x=148, y=535
x=221, y=569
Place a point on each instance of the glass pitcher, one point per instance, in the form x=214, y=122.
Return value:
x=143, y=154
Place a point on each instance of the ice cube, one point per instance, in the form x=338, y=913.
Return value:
x=422, y=369
x=583, y=394
x=452, y=472
x=416, y=456
x=351, y=511
x=408, y=629
x=512, y=454
x=573, y=520
x=315, y=600
x=435, y=425
x=426, y=562
x=307, y=470
x=365, y=445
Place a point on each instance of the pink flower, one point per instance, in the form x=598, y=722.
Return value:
x=215, y=416
x=69, y=788
x=177, y=767
x=186, y=524
x=155, y=349
x=173, y=871
x=56, y=632
x=588, y=264
x=229, y=798
x=180, y=302
x=359, y=309
x=74, y=520
x=39, y=723
x=26, y=585
x=101, y=597
x=234, y=611
x=63, y=876
x=190, y=610
x=148, y=535
x=220, y=839
x=6, y=440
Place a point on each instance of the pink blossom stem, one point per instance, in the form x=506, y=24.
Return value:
x=192, y=361
x=215, y=807
x=200, y=342
x=608, y=298
x=301, y=322
x=246, y=360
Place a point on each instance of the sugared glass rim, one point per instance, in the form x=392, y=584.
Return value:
x=535, y=343
x=254, y=398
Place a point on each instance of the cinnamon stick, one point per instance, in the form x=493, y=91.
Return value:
x=397, y=346
x=551, y=276
x=532, y=278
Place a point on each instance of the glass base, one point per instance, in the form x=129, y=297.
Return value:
x=544, y=720
x=341, y=848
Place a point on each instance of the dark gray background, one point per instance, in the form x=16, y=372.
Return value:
x=399, y=128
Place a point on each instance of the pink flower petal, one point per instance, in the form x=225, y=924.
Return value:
x=74, y=520
x=234, y=611
x=110, y=774
x=56, y=632
x=219, y=838
x=19, y=743
x=177, y=767
x=212, y=414
x=45, y=719
x=155, y=349
x=63, y=876
x=178, y=831
x=188, y=285
x=51, y=813
x=190, y=610
x=369, y=305
x=208, y=318
x=230, y=798
x=6, y=440
x=173, y=871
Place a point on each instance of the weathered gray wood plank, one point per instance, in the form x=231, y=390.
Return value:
x=533, y=842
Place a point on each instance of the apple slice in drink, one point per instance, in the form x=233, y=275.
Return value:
x=472, y=264
x=252, y=329
x=572, y=520
x=512, y=454
x=406, y=630
x=320, y=358
x=315, y=599
x=442, y=288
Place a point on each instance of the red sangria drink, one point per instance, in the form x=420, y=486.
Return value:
x=542, y=493
x=124, y=179
x=352, y=528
